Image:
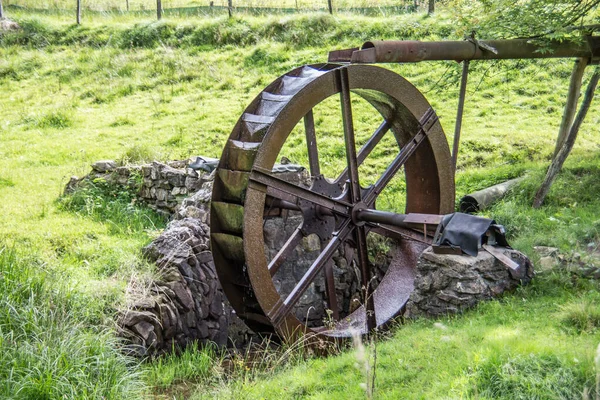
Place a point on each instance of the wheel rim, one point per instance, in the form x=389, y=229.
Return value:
x=237, y=218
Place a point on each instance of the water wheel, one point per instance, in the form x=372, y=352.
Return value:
x=340, y=214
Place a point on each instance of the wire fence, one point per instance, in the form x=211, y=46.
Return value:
x=219, y=7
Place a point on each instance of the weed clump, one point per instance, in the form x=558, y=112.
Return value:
x=137, y=153
x=5, y=182
x=148, y=35
x=53, y=119
x=191, y=364
x=581, y=316
x=114, y=205
x=530, y=377
x=121, y=121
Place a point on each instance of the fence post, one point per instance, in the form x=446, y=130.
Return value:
x=330, y=7
x=127, y=4
x=78, y=12
x=431, y=9
x=230, y=8
x=159, y=9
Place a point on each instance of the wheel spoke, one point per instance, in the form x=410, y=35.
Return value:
x=283, y=308
x=426, y=122
x=330, y=283
x=363, y=261
x=368, y=147
x=276, y=186
x=285, y=251
x=311, y=142
x=349, y=138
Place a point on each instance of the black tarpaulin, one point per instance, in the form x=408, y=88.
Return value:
x=463, y=230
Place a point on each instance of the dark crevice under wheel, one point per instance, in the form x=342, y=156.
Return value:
x=244, y=186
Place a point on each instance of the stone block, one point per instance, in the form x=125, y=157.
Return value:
x=448, y=284
x=104, y=166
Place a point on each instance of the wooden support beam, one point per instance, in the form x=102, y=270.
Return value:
x=571, y=105
x=564, y=151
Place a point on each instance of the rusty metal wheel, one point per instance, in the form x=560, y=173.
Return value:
x=339, y=209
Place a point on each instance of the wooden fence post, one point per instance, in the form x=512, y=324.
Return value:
x=78, y=12
x=330, y=7
x=431, y=9
x=159, y=9
x=230, y=8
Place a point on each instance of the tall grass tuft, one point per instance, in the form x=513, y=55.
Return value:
x=46, y=350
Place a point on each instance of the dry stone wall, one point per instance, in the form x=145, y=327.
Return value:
x=163, y=187
x=184, y=304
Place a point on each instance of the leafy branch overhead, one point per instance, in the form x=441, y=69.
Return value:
x=549, y=19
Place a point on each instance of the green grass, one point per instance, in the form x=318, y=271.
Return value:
x=513, y=348
x=126, y=88
x=50, y=344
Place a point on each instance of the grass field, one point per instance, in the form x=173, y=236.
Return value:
x=131, y=89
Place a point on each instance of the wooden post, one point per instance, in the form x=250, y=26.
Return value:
x=127, y=4
x=431, y=9
x=564, y=151
x=330, y=6
x=571, y=105
x=1, y=10
x=230, y=8
x=159, y=9
x=459, y=111
x=78, y=12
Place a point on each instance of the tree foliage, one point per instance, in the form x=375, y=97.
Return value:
x=550, y=19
